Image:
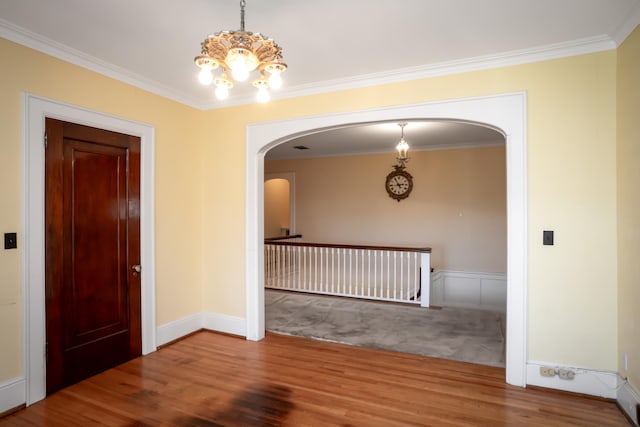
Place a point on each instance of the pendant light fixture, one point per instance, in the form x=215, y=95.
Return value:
x=238, y=54
x=402, y=147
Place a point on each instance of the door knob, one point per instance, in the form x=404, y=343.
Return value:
x=136, y=268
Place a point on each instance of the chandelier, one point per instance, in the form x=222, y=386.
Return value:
x=402, y=147
x=238, y=54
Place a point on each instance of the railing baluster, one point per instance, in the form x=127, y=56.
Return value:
x=278, y=270
x=356, y=270
x=375, y=272
x=395, y=271
x=344, y=271
x=416, y=271
x=287, y=266
x=351, y=271
x=401, y=276
x=334, y=251
x=362, y=261
x=322, y=288
x=388, y=281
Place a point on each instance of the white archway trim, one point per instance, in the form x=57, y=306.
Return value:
x=33, y=254
x=507, y=112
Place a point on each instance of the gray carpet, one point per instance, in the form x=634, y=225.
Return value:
x=468, y=335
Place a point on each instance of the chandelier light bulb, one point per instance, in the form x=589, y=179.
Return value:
x=222, y=92
x=275, y=80
x=205, y=76
x=263, y=95
x=402, y=148
x=239, y=72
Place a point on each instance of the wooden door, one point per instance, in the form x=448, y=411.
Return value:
x=92, y=244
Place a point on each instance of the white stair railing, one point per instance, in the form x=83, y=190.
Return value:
x=371, y=272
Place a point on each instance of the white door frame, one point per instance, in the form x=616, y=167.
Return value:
x=36, y=109
x=505, y=112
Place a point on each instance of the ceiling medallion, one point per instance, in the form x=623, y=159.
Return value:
x=238, y=54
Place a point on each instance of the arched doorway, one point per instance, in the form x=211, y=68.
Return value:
x=505, y=112
x=279, y=208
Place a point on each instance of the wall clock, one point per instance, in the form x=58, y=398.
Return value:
x=399, y=183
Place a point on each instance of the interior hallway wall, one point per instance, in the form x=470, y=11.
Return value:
x=457, y=206
x=628, y=193
x=178, y=182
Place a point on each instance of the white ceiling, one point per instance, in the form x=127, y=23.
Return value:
x=328, y=44
x=383, y=137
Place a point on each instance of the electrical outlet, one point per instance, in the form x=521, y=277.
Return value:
x=547, y=371
x=566, y=374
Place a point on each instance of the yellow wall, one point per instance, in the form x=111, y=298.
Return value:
x=629, y=206
x=457, y=206
x=571, y=189
x=178, y=183
x=200, y=239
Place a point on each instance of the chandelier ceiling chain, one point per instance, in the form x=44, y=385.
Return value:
x=243, y=3
x=238, y=54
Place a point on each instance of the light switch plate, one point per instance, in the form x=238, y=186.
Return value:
x=10, y=240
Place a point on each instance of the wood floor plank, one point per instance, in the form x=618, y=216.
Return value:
x=210, y=379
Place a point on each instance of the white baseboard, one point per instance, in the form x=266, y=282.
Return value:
x=469, y=289
x=628, y=399
x=178, y=328
x=224, y=323
x=212, y=321
x=13, y=393
x=586, y=381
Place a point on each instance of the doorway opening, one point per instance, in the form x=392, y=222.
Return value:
x=506, y=112
x=323, y=287
x=279, y=213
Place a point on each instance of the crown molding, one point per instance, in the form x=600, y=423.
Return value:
x=627, y=27
x=42, y=44
x=486, y=62
x=61, y=51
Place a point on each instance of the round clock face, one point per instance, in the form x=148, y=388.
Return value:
x=399, y=184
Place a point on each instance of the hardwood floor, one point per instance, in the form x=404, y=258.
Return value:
x=210, y=379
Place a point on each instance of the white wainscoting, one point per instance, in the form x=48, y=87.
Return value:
x=628, y=400
x=12, y=394
x=469, y=289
